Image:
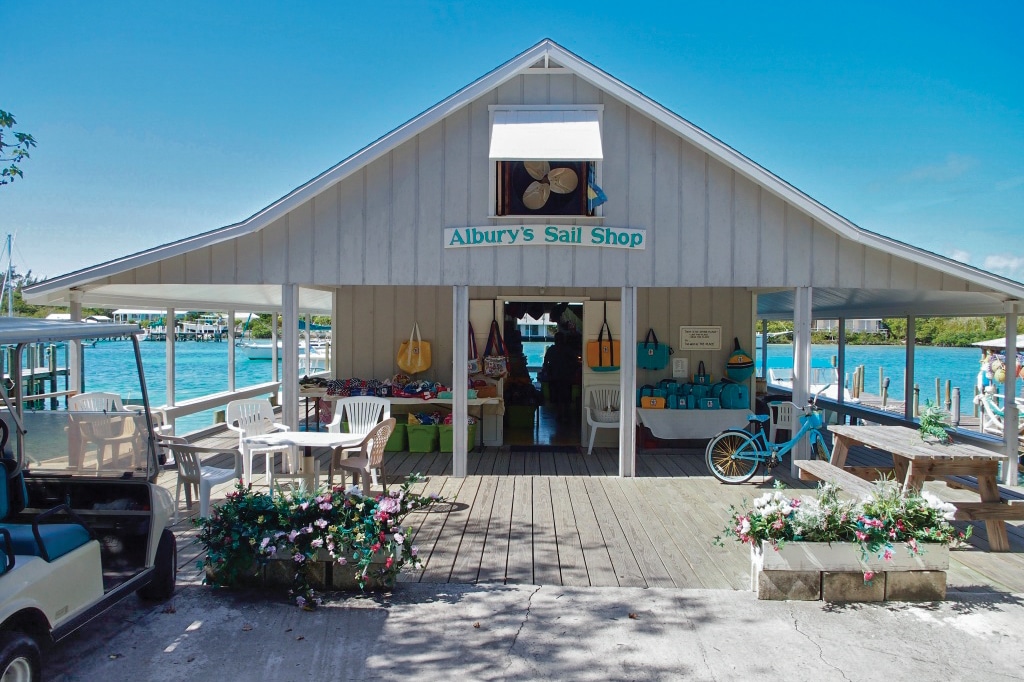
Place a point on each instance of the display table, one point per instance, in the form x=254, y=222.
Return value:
x=690, y=424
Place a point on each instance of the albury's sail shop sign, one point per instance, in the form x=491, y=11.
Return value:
x=545, y=235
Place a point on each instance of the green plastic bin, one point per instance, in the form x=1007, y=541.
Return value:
x=399, y=440
x=423, y=437
x=447, y=432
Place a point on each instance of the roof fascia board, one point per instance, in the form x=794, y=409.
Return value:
x=745, y=166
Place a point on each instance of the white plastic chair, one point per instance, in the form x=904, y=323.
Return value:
x=361, y=412
x=255, y=418
x=107, y=431
x=192, y=472
x=785, y=416
x=602, y=410
x=369, y=457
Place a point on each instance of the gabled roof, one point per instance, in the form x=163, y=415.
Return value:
x=546, y=56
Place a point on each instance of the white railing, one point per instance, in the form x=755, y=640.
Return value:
x=215, y=400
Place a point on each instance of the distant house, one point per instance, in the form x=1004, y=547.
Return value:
x=865, y=326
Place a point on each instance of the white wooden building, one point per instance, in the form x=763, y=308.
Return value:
x=435, y=221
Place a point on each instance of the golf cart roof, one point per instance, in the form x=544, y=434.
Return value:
x=15, y=330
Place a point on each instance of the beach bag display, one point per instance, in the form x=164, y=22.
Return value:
x=702, y=378
x=495, y=354
x=473, y=365
x=651, y=398
x=650, y=354
x=414, y=355
x=708, y=403
x=734, y=396
x=740, y=365
x=603, y=354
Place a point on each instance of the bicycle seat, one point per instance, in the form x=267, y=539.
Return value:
x=758, y=418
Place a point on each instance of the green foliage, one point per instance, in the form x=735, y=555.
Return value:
x=933, y=422
x=877, y=523
x=360, y=531
x=930, y=331
x=12, y=153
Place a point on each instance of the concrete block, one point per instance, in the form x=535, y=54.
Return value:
x=850, y=587
x=793, y=585
x=915, y=585
x=280, y=572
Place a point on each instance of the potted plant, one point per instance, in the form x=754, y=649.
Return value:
x=886, y=532
x=934, y=423
x=311, y=540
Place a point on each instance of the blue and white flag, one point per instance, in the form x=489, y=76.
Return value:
x=595, y=195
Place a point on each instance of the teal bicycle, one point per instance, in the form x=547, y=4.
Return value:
x=734, y=455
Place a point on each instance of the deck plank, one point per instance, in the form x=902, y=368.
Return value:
x=641, y=544
x=494, y=562
x=520, y=550
x=595, y=551
x=627, y=571
x=570, y=550
x=466, y=568
x=545, y=544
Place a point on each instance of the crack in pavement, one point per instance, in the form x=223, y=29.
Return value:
x=821, y=651
x=526, y=619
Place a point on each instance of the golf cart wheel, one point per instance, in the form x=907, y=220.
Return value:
x=165, y=570
x=19, y=658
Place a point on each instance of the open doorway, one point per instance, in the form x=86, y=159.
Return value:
x=542, y=391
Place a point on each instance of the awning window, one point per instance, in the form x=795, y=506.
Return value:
x=546, y=134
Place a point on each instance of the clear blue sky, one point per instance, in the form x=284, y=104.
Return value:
x=159, y=120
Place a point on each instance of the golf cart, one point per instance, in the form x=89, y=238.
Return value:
x=82, y=523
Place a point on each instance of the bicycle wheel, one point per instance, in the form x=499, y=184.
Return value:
x=818, y=448
x=732, y=456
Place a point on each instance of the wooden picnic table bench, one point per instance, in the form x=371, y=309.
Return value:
x=916, y=461
x=820, y=470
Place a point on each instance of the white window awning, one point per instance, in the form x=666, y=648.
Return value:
x=546, y=135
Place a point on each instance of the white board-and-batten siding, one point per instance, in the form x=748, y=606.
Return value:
x=372, y=322
x=707, y=224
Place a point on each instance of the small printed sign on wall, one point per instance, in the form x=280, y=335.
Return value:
x=700, y=338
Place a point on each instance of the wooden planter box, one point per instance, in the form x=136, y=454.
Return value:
x=835, y=572
x=324, y=574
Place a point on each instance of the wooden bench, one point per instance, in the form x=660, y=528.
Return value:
x=1009, y=507
x=820, y=470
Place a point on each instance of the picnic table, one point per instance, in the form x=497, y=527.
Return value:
x=915, y=461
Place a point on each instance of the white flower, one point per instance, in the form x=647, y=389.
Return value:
x=353, y=490
x=947, y=510
x=745, y=527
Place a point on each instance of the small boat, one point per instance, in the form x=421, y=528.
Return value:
x=824, y=381
x=257, y=350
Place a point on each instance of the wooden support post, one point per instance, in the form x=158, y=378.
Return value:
x=917, y=401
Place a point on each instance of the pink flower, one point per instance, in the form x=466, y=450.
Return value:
x=888, y=555
x=861, y=535
x=868, y=576
x=415, y=550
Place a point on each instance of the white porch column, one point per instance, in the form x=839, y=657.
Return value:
x=231, y=350
x=764, y=345
x=290, y=348
x=75, y=347
x=908, y=366
x=841, y=364
x=627, y=383
x=460, y=379
x=1010, y=411
x=275, y=370
x=801, y=364
x=169, y=354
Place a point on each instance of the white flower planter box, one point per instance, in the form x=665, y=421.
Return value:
x=798, y=570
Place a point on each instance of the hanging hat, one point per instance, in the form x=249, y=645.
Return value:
x=740, y=365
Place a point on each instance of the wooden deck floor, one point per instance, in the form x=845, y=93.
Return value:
x=565, y=518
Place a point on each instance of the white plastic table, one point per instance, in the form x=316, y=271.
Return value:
x=307, y=440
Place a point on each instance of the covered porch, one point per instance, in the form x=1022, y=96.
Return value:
x=565, y=518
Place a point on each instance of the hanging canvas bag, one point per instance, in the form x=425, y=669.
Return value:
x=495, y=354
x=603, y=354
x=702, y=378
x=740, y=365
x=414, y=355
x=650, y=354
x=473, y=365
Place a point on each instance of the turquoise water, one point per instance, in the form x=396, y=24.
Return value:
x=202, y=369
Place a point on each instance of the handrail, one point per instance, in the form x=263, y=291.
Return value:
x=214, y=400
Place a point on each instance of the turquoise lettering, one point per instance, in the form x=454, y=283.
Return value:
x=513, y=234
x=596, y=236
x=528, y=234
x=550, y=233
x=456, y=239
x=636, y=241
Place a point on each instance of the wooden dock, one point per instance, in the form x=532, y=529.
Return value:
x=563, y=518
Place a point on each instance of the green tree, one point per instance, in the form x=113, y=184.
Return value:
x=12, y=153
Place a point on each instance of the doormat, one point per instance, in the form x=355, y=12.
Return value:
x=570, y=449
